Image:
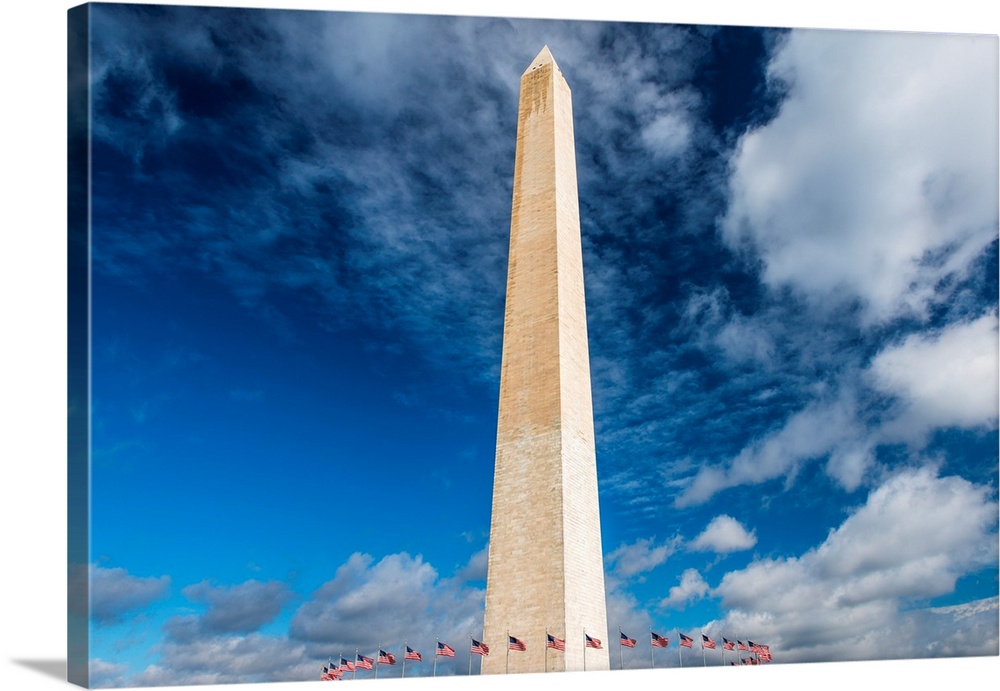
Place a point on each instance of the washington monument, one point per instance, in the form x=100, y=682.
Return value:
x=546, y=574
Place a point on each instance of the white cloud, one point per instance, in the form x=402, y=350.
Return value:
x=941, y=380
x=692, y=587
x=398, y=598
x=640, y=556
x=724, y=534
x=106, y=674
x=852, y=596
x=878, y=178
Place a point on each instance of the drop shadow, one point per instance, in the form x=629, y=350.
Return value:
x=50, y=668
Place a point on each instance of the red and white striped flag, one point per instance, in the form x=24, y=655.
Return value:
x=445, y=650
x=412, y=654
x=707, y=642
x=593, y=642
x=555, y=643
x=658, y=640
x=516, y=644
x=686, y=641
x=626, y=641
x=480, y=648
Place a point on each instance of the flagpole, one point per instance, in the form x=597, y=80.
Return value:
x=680, y=660
x=436, y=648
x=621, y=654
x=377, y=656
x=585, y=650
x=356, y=654
x=652, y=663
x=470, y=653
x=406, y=644
x=545, y=666
x=704, y=661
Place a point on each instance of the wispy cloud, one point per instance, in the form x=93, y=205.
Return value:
x=640, y=556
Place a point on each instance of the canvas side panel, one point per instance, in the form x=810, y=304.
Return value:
x=78, y=345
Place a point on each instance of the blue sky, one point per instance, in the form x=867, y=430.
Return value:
x=299, y=253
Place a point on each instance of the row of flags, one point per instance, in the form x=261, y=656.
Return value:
x=332, y=672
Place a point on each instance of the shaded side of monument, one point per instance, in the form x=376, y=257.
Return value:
x=546, y=571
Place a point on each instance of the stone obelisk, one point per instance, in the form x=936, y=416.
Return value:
x=546, y=570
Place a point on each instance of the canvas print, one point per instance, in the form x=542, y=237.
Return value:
x=426, y=346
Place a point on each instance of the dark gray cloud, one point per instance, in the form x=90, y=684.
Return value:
x=240, y=608
x=229, y=660
x=113, y=592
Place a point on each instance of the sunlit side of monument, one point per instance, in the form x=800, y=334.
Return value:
x=546, y=573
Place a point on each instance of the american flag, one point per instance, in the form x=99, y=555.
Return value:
x=515, y=644
x=593, y=642
x=364, y=662
x=727, y=644
x=412, y=654
x=385, y=658
x=754, y=648
x=346, y=665
x=765, y=653
x=626, y=641
x=445, y=650
x=480, y=648
x=658, y=640
x=336, y=673
x=555, y=643
x=707, y=642
x=325, y=676
x=741, y=645
x=686, y=641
